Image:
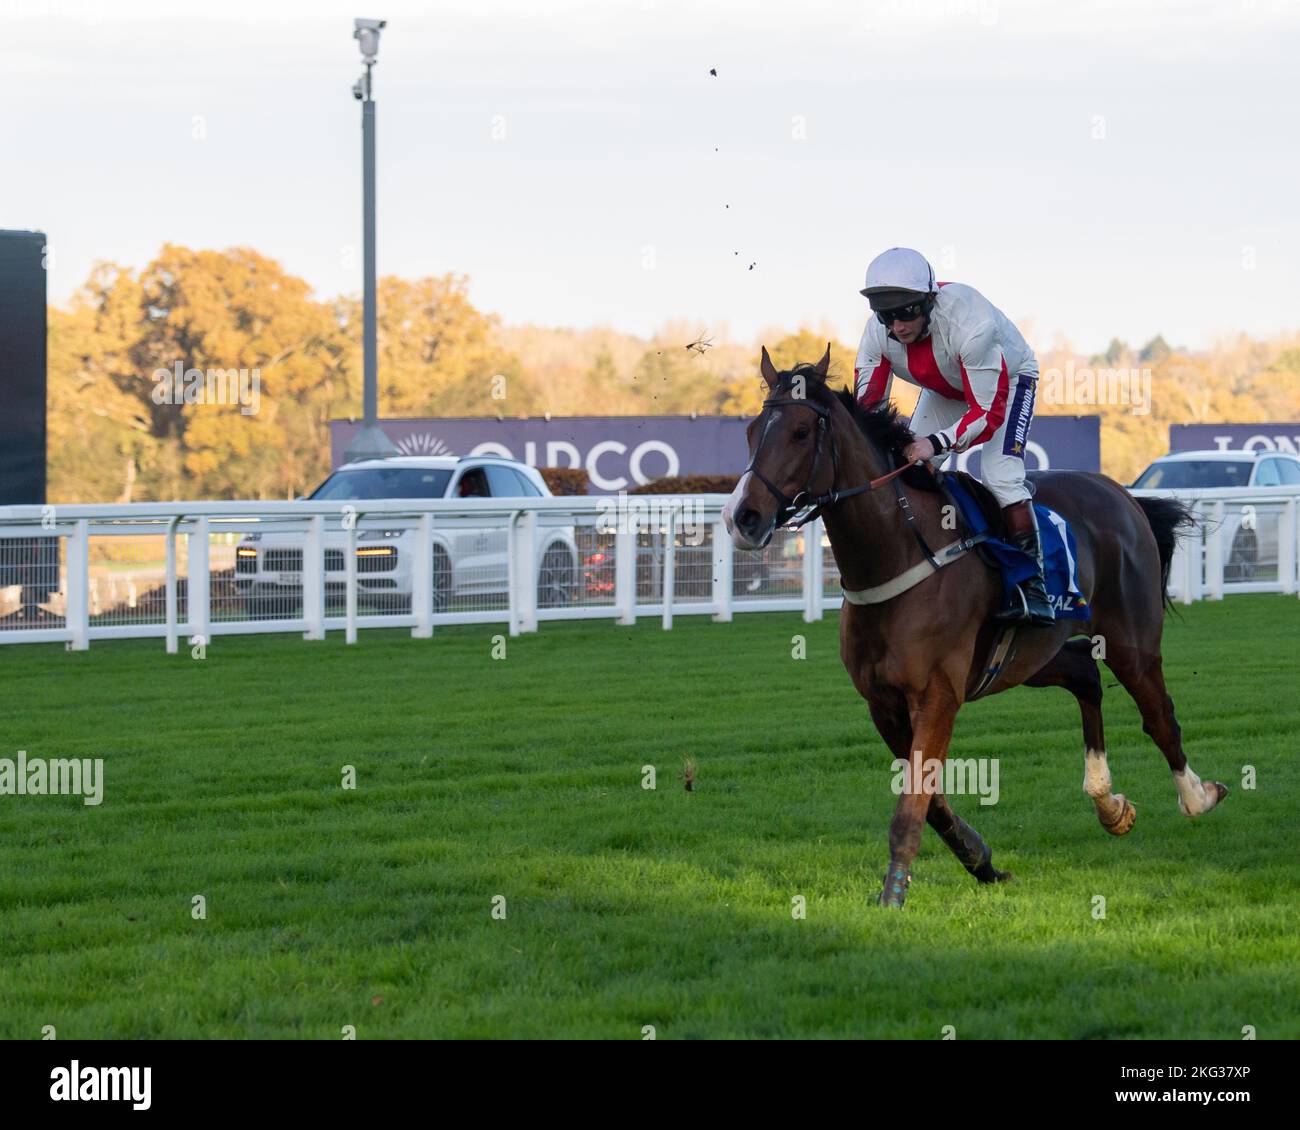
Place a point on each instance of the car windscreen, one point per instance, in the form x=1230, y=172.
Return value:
x=384, y=482
x=1192, y=473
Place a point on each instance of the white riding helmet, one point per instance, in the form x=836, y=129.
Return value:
x=898, y=276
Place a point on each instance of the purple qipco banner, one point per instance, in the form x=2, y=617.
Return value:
x=619, y=452
x=1235, y=437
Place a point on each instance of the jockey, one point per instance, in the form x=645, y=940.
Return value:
x=977, y=376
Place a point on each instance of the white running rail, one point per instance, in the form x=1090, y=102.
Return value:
x=190, y=571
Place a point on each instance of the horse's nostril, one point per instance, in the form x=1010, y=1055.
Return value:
x=747, y=519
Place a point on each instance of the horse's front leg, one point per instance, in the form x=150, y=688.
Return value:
x=933, y=713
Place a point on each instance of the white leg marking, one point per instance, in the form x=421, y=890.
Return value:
x=1193, y=797
x=1096, y=774
x=1097, y=784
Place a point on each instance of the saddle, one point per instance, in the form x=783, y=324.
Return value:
x=983, y=497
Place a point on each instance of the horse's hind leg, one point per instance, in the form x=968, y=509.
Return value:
x=1142, y=675
x=966, y=843
x=895, y=726
x=1074, y=668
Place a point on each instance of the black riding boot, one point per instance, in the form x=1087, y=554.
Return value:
x=1034, y=607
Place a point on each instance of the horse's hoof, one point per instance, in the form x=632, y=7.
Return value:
x=1123, y=823
x=987, y=873
x=891, y=900
x=1216, y=790
x=990, y=874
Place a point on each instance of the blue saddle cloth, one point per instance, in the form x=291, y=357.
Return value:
x=1060, y=556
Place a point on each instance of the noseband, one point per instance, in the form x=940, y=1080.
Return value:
x=803, y=507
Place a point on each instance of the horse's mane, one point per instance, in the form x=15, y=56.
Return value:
x=884, y=427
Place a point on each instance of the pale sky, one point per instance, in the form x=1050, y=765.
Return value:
x=1095, y=168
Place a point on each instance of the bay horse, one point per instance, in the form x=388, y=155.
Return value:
x=914, y=637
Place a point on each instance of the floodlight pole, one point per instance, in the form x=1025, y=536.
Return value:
x=370, y=442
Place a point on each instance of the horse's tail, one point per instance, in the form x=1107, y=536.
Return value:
x=1170, y=520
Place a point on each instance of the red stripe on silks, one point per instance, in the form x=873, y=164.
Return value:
x=922, y=365
x=875, y=390
x=997, y=411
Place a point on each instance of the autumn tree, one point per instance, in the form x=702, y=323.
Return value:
x=118, y=349
x=99, y=433
x=438, y=355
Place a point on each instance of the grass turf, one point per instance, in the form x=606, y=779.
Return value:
x=626, y=907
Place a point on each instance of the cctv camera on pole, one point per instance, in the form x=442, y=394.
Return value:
x=370, y=442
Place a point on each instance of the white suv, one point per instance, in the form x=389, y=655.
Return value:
x=466, y=562
x=1252, y=547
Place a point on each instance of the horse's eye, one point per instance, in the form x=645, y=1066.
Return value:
x=800, y=433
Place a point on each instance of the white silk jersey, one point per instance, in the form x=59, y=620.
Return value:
x=971, y=354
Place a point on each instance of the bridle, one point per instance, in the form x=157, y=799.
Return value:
x=797, y=511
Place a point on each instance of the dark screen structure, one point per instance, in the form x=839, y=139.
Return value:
x=22, y=367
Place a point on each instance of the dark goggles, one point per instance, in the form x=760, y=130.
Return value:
x=901, y=313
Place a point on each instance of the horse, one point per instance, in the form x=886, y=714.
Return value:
x=916, y=626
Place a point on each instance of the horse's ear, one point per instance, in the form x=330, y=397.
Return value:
x=825, y=363
x=768, y=370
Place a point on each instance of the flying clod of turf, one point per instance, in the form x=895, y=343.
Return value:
x=502, y=869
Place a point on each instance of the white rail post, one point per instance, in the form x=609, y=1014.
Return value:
x=812, y=573
x=1286, y=546
x=199, y=584
x=1196, y=575
x=722, y=582
x=512, y=578
x=1214, y=551
x=78, y=612
x=670, y=566
x=422, y=578
x=1187, y=556
x=821, y=569
x=1178, y=569
x=625, y=570
x=350, y=567
x=806, y=574
x=523, y=566
x=313, y=579
x=169, y=598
